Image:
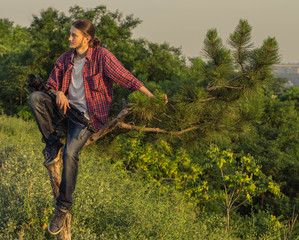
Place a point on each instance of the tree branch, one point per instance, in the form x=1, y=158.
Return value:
x=239, y=204
x=118, y=123
x=221, y=205
x=225, y=84
x=231, y=198
x=157, y=130
x=208, y=99
x=109, y=126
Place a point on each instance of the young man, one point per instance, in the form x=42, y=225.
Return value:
x=82, y=77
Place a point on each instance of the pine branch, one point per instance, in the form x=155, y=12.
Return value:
x=209, y=89
x=231, y=87
x=157, y=130
x=118, y=122
x=240, y=41
x=208, y=99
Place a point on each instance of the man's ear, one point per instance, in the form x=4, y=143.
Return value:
x=88, y=38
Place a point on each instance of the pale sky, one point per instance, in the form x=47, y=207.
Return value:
x=184, y=23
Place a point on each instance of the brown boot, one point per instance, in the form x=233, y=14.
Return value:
x=57, y=222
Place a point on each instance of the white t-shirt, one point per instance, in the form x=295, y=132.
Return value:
x=76, y=94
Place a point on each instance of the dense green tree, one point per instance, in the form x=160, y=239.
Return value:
x=5, y=33
x=14, y=65
x=50, y=32
x=195, y=72
x=274, y=140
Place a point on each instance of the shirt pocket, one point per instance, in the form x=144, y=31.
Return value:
x=96, y=83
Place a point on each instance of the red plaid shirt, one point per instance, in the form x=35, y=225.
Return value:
x=100, y=70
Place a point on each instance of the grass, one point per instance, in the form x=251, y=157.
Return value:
x=109, y=203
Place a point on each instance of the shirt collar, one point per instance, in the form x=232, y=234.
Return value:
x=88, y=54
x=87, y=57
x=72, y=56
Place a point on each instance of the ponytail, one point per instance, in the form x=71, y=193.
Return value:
x=95, y=42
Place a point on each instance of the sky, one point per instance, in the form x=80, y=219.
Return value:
x=184, y=23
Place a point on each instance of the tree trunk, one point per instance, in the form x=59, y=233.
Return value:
x=227, y=220
x=55, y=179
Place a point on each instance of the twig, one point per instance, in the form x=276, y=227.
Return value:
x=225, y=84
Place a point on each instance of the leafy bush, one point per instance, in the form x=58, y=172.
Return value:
x=159, y=162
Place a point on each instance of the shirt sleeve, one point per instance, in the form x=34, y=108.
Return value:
x=114, y=70
x=55, y=79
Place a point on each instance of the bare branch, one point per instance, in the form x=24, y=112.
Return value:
x=231, y=198
x=157, y=130
x=118, y=123
x=145, y=129
x=239, y=204
x=208, y=99
x=235, y=199
x=110, y=126
x=221, y=205
x=226, y=86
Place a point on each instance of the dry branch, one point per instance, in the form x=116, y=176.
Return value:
x=110, y=126
x=157, y=130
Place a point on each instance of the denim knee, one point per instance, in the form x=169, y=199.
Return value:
x=70, y=156
x=35, y=98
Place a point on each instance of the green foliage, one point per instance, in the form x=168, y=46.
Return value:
x=50, y=32
x=13, y=65
x=275, y=143
x=158, y=162
x=218, y=101
x=109, y=202
x=160, y=62
x=195, y=72
x=240, y=41
x=232, y=180
x=292, y=95
x=240, y=176
x=25, y=113
x=146, y=108
x=25, y=194
x=5, y=31
x=224, y=177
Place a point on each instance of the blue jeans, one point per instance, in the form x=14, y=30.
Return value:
x=48, y=119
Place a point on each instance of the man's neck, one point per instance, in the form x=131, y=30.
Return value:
x=81, y=52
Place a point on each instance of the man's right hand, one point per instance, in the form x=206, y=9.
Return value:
x=62, y=102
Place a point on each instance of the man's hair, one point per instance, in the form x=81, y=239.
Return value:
x=88, y=29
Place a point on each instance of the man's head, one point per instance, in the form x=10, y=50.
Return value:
x=82, y=34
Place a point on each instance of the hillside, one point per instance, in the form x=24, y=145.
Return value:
x=110, y=203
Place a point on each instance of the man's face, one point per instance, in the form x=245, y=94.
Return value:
x=77, y=39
